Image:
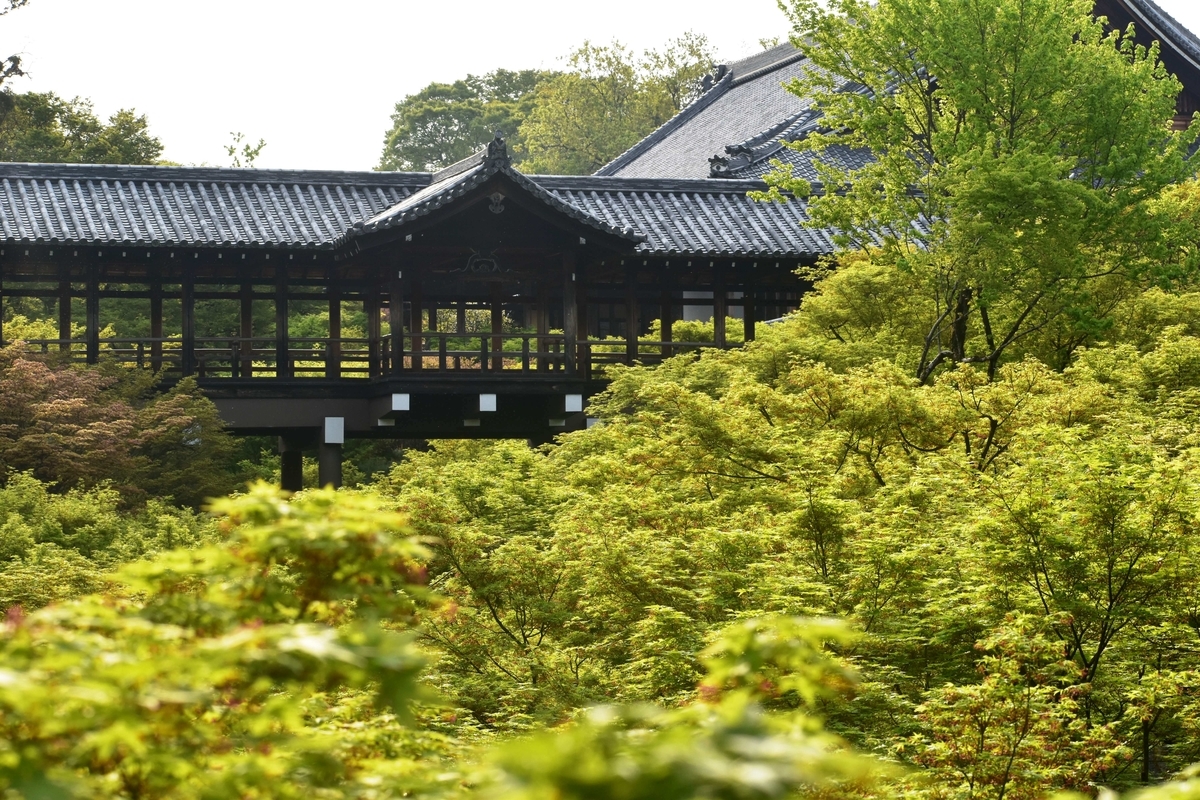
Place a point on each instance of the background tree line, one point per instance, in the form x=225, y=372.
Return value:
x=568, y=122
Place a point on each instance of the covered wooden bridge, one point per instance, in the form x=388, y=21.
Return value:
x=486, y=303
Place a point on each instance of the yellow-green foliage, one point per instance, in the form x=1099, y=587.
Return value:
x=216, y=671
x=726, y=485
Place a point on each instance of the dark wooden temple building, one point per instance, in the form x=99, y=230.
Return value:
x=493, y=301
x=490, y=303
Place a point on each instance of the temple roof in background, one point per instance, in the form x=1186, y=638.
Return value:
x=739, y=124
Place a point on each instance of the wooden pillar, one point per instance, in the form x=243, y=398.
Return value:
x=371, y=307
x=632, y=322
x=92, y=321
x=333, y=354
x=497, y=302
x=329, y=465
x=188, y=301
x=433, y=316
x=396, y=323
x=416, y=325
x=667, y=316
x=542, y=317
x=720, y=306
x=246, y=330
x=460, y=317
x=584, y=359
x=291, y=464
x=748, y=310
x=283, y=356
x=64, y=314
x=156, y=325
x=570, y=310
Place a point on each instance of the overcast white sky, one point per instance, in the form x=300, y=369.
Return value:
x=318, y=80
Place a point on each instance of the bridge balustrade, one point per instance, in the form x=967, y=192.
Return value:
x=232, y=357
x=482, y=352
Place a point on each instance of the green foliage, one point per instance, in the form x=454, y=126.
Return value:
x=1032, y=507
x=1020, y=156
x=241, y=153
x=569, y=122
x=205, y=680
x=55, y=547
x=1015, y=557
x=1017, y=734
x=725, y=749
x=975, y=444
x=44, y=127
x=446, y=122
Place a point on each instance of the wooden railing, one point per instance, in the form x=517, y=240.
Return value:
x=492, y=352
x=349, y=358
x=161, y=353
x=305, y=357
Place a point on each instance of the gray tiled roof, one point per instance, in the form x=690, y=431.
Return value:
x=697, y=217
x=747, y=101
x=187, y=207
x=85, y=204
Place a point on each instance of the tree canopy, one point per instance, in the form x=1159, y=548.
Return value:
x=567, y=122
x=446, y=122
x=1020, y=149
x=607, y=100
x=43, y=127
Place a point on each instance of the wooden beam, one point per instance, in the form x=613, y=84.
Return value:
x=542, y=320
x=372, y=306
x=291, y=464
x=93, y=313
x=667, y=317
x=584, y=359
x=497, y=304
x=748, y=309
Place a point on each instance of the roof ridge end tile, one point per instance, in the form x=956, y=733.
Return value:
x=799, y=55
